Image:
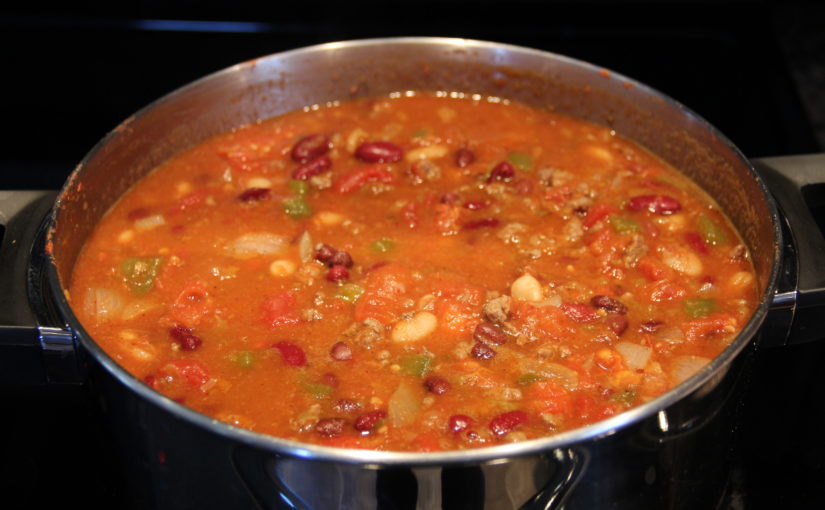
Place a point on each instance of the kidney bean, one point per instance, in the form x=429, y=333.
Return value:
x=337, y=273
x=482, y=351
x=617, y=324
x=503, y=171
x=437, y=385
x=367, y=421
x=379, y=152
x=324, y=253
x=458, y=422
x=254, y=194
x=487, y=333
x=608, y=304
x=184, y=337
x=310, y=147
x=482, y=223
x=312, y=168
x=347, y=406
x=650, y=326
x=341, y=258
x=502, y=424
x=657, y=204
x=464, y=157
x=341, y=352
x=330, y=427
x=292, y=354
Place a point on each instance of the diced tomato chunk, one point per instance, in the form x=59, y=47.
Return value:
x=597, y=212
x=354, y=180
x=280, y=309
x=383, y=289
x=578, y=312
x=192, y=372
x=192, y=304
x=652, y=269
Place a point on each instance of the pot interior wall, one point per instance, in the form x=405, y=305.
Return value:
x=273, y=85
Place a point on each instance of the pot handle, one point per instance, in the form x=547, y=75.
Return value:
x=31, y=353
x=798, y=184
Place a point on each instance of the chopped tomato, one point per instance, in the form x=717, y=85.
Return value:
x=192, y=305
x=354, y=180
x=716, y=323
x=652, y=268
x=383, y=289
x=280, y=309
x=597, y=212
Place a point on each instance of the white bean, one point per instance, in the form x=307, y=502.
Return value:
x=683, y=261
x=526, y=288
x=259, y=182
x=414, y=329
x=281, y=268
x=430, y=152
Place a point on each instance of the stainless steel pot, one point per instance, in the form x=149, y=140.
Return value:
x=668, y=453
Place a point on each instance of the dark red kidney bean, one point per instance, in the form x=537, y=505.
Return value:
x=608, y=304
x=458, y=422
x=379, y=152
x=136, y=214
x=367, y=421
x=330, y=427
x=310, y=147
x=482, y=223
x=464, y=157
x=504, y=423
x=292, y=354
x=487, y=333
x=184, y=337
x=482, y=351
x=341, y=352
x=657, y=204
x=617, y=324
x=324, y=253
x=254, y=194
x=449, y=198
x=347, y=406
x=650, y=326
x=337, y=273
x=475, y=205
x=341, y=258
x=437, y=385
x=312, y=168
x=504, y=171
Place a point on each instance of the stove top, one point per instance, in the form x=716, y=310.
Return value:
x=750, y=68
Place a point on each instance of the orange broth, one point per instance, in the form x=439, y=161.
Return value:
x=417, y=272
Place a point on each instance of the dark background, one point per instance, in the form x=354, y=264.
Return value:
x=756, y=70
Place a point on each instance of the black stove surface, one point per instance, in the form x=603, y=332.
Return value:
x=753, y=69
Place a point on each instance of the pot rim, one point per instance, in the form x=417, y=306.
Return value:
x=374, y=458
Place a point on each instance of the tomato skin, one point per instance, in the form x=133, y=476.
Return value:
x=292, y=354
x=597, y=212
x=354, y=180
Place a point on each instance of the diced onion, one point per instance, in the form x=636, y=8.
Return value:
x=683, y=367
x=567, y=377
x=102, y=304
x=136, y=309
x=403, y=406
x=257, y=243
x=305, y=250
x=150, y=222
x=635, y=356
